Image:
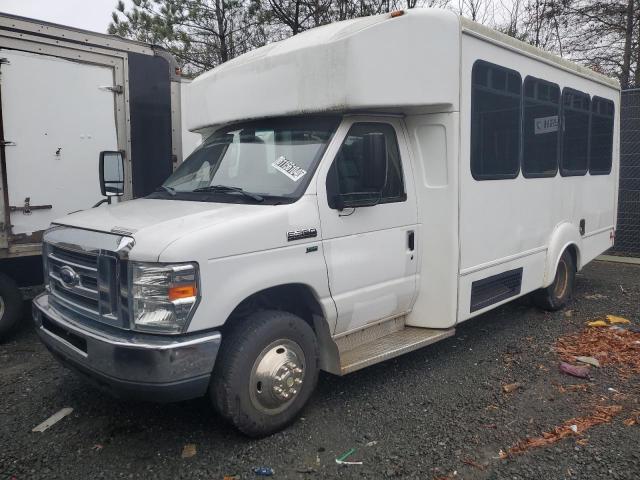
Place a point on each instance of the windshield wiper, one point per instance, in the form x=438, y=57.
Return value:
x=164, y=188
x=226, y=188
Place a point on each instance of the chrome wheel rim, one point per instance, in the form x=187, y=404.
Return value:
x=277, y=376
x=562, y=280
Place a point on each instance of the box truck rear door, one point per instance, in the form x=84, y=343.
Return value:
x=58, y=116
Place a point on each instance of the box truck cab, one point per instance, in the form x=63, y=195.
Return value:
x=361, y=189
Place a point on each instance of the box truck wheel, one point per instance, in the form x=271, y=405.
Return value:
x=558, y=294
x=266, y=370
x=10, y=304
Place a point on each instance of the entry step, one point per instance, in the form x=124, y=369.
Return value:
x=390, y=346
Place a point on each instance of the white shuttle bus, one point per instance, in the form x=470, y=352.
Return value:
x=361, y=189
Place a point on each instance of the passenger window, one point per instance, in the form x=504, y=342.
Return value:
x=348, y=175
x=601, y=142
x=540, y=128
x=575, y=132
x=495, y=121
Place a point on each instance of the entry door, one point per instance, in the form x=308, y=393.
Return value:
x=58, y=119
x=371, y=252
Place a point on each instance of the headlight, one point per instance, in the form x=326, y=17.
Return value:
x=163, y=296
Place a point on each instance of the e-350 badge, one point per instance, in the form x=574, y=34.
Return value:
x=300, y=234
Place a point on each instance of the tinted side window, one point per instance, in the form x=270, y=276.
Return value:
x=495, y=121
x=601, y=142
x=348, y=174
x=575, y=132
x=540, y=128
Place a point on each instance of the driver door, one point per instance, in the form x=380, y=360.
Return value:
x=370, y=252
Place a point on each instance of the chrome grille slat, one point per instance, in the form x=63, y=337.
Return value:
x=79, y=289
x=87, y=296
x=55, y=258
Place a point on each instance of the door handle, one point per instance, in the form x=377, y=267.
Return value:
x=411, y=241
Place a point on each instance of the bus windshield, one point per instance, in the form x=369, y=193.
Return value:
x=270, y=158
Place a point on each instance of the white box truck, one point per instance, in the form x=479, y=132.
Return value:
x=361, y=189
x=66, y=95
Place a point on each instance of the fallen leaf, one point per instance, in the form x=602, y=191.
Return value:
x=598, y=323
x=511, y=387
x=618, y=320
x=189, y=450
x=588, y=360
x=580, y=371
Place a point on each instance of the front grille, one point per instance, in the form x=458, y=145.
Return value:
x=95, y=291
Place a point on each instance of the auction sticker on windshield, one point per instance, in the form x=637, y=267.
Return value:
x=289, y=168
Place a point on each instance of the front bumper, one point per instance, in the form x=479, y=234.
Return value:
x=129, y=364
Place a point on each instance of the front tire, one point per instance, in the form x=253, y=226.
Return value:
x=10, y=305
x=266, y=371
x=557, y=295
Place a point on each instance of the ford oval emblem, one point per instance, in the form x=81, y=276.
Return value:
x=69, y=277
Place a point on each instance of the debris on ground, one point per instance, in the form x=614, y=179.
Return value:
x=572, y=427
x=97, y=447
x=580, y=371
x=231, y=477
x=342, y=459
x=189, y=450
x=588, y=360
x=598, y=323
x=473, y=463
x=372, y=443
x=580, y=387
x=595, y=296
x=53, y=419
x=511, y=387
x=619, y=348
x=634, y=419
x=264, y=471
x=614, y=320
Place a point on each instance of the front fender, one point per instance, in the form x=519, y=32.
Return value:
x=564, y=235
x=226, y=282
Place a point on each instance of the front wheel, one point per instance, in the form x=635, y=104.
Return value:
x=266, y=371
x=10, y=305
x=557, y=295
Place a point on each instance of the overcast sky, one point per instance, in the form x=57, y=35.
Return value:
x=92, y=15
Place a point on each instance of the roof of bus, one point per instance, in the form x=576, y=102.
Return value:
x=364, y=64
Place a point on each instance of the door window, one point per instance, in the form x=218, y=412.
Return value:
x=349, y=176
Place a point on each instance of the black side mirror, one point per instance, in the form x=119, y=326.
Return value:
x=374, y=151
x=111, y=174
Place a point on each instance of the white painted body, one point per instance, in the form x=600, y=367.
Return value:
x=53, y=161
x=413, y=72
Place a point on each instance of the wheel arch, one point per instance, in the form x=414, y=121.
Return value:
x=565, y=236
x=301, y=300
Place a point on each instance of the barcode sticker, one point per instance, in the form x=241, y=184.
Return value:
x=289, y=168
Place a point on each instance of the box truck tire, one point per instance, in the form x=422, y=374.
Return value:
x=266, y=371
x=557, y=295
x=10, y=305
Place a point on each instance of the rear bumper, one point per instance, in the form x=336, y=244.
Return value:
x=128, y=364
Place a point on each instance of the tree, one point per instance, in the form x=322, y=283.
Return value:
x=199, y=33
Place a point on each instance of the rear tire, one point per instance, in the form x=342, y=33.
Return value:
x=557, y=295
x=10, y=305
x=266, y=371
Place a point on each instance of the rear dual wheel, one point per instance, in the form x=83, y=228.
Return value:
x=559, y=293
x=266, y=371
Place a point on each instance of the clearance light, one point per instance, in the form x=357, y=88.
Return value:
x=397, y=13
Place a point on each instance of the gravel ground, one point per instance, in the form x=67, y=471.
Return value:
x=429, y=412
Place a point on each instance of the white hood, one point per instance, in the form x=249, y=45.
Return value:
x=223, y=228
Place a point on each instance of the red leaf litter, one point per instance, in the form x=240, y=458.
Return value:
x=611, y=346
x=600, y=415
